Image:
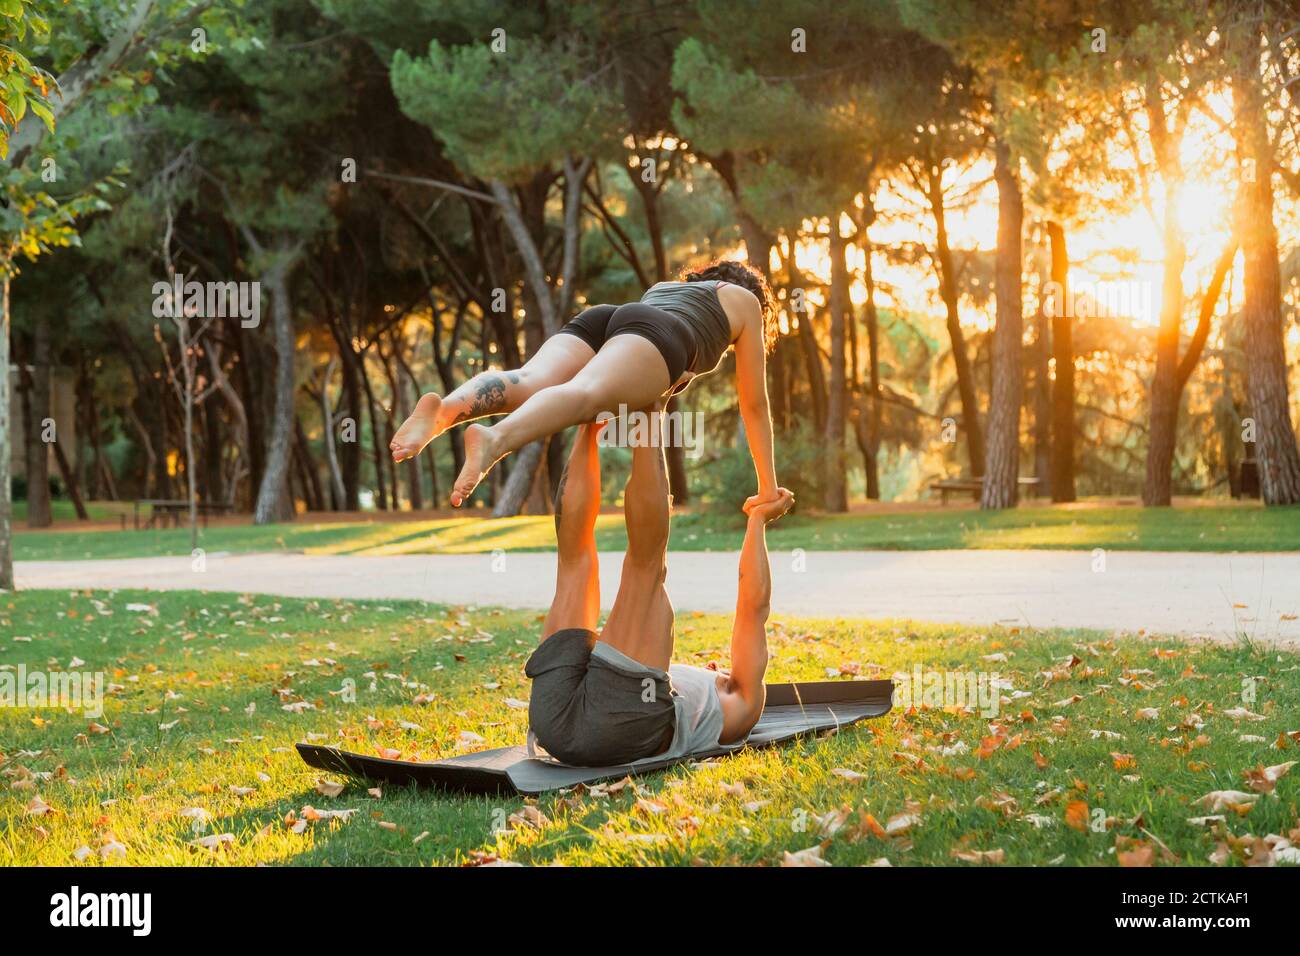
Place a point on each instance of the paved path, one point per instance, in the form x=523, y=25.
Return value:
x=1216, y=595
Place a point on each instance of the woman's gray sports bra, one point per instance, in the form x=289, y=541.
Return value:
x=697, y=304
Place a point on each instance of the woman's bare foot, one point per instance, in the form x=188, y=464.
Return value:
x=480, y=455
x=418, y=430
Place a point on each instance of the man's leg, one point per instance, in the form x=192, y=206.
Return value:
x=641, y=621
x=577, y=503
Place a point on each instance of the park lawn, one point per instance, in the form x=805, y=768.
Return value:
x=62, y=510
x=206, y=688
x=1202, y=528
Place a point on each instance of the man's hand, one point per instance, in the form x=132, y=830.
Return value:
x=763, y=497
x=768, y=511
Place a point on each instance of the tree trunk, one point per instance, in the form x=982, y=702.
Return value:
x=315, y=494
x=1041, y=393
x=338, y=495
x=70, y=482
x=835, y=491
x=961, y=360
x=871, y=454
x=350, y=453
x=812, y=359
x=675, y=455
x=1165, y=395
x=520, y=483
x=246, y=372
x=39, y=513
x=274, y=500
x=376, y=439
x=1062, y=430
x=1266, y=382
x=213, y=484
x=6, y=441
x=401, y=378
x=1162, y=434
x=1002, y=469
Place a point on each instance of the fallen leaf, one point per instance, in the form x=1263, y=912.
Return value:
x=1264, y=779
x=215, y=841
x=1234, y=800
x=328, y=788
x=980, y=856
x=528, y=818
x=809, y=857
x=1241, y=713
x=1142, y=855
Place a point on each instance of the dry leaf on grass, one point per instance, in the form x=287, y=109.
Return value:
x=1263, y=779
x=809, y=857
x=216, y=841
x=328, y=788
x=980, y=856
x=1142, y=855
x=528, y=818
x=900, y=823
x=832, y=821
x=1076, y=815
x=1234, y=800
x=1241, y=713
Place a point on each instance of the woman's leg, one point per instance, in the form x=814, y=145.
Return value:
x=490, y=393
x=628, y=370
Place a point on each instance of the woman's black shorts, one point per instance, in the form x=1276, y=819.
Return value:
x=666, y=332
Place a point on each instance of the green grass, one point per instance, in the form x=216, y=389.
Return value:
x=63, y=510
x=217, y=670
x=1204, y=528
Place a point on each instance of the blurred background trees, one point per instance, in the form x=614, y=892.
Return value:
x=1055, y=244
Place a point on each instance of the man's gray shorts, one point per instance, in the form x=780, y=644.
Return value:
x=596, y=710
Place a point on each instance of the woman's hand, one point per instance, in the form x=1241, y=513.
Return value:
x=768, y=511
x=763, y=497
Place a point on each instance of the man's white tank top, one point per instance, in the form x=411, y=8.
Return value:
x=699, y=711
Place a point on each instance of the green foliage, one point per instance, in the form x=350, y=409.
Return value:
x=24, y=86
x=33, y=222
x=806, y=147
x=505, y=115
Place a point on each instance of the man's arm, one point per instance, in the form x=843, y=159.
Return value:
x=743, y=693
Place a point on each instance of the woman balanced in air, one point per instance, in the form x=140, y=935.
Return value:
x=612, y=356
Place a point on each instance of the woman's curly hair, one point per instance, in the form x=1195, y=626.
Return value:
x=747, y=277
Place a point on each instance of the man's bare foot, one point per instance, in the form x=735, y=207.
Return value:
x=418, y=430
x=480, y=455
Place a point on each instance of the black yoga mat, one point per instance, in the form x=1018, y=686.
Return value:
x=792, y=710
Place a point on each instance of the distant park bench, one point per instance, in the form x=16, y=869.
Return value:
x=970, y=486
x=171, y=511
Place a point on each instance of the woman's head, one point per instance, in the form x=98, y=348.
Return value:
x=747, y=277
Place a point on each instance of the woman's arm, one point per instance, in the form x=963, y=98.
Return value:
x=755, y=412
